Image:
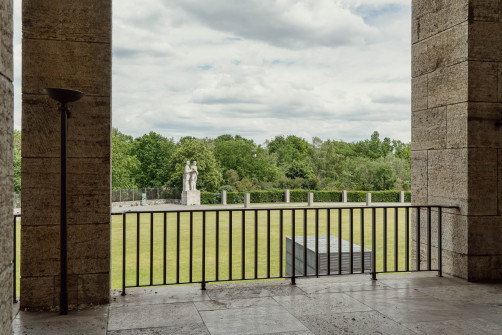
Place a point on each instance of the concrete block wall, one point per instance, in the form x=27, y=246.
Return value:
x=6, y=165
x=457, y=128
x=66, y=44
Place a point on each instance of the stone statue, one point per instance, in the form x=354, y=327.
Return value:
x=193, y=176
x=186, y=177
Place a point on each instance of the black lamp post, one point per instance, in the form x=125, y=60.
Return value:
x=64, y=97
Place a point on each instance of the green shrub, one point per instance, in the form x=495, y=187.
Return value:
x=209, y=198
x=327, y=196
x=356, y=196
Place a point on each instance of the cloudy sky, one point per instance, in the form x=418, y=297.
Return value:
x=336, y=69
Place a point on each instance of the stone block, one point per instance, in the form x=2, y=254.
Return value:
x=485, y=268
x=430, y=17
x=247, y=200
x=482, y=181
x=344, y=196
x=457, y=129
x=419, y=182
x=483, y=81
x=484, y=10
x=89, y=127
x=499, y=181
x=6, y=299
x=485, y=125
x=428, y=129
x=287, y=196
x=78, y=65
x=93, y=289
x=448, y=85
x=484, y=235
x=455, y=264
x=88, y=191
x=500, y=81
x=485, y=41
x=368, y=199
x=6, y=230
x=88, y=21
x=89, y=249
x=310, y=199
x=6, y=33
x=7, y=124
x=441, y=50
x=37, y=293
x=419, y=93
x=190, y=198
x=448, y=177
x=40, y=250
x=223, y=197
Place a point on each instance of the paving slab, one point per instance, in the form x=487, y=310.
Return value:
x=456, y=327
x=159, y=295
x=255, y=320
x=244, y=292
x=212, y=305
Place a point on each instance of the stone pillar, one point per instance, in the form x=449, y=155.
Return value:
x=247, y=200
x=310, y=199
x=287, y=196
x=190, y=198
x=368, y=199
x=223, y=197
x=401, y=197
x=344, y=196
x=457, y=129
x=6, y=166
x=66, y=44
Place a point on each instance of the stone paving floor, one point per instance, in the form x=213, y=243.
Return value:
x=394, y=304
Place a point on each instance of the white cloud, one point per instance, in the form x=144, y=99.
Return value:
x=335, y=69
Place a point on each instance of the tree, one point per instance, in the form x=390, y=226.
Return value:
x=210, y=176
x=153, y=152
x=124, y=164
x=17, y=161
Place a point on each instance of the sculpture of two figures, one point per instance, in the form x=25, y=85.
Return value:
x=190, y=177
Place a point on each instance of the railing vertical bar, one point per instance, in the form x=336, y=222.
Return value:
x=396, y=230
x=203, y=284
x=293, y=247
x=255, y=244
x=165, y=249
x=268, y=243
x=429, y=239
x=230, y=244
x=418, y=238
x=362, y=239
x=384, y=239
x=407, y=235
x=178, y=247
x=14, y=263
x=328, y=245
x=137, y=247
x=317, y=242
x=305, y=242
x=217, y=263
x=124, y=253
x=190, y=275
x=351, y=232
x=243, y=245
x=373, y=243
x=340, y=241
x=440, y=242
x=281, y=246
x=151, y=249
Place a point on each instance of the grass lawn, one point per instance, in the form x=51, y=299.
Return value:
x=224, y=240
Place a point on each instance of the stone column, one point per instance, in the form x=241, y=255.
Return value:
x=344, y=196
x=247, y=200
x=368, y=199
x=6, y=166
x=457, y=130
x=287, y=196
x=66, y=44
x=401, y=196
x=310, y=199
x=223, y=197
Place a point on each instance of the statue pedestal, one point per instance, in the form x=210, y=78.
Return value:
x=189, y=198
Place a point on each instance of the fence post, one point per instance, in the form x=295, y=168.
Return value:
x=373, y=243
x=311, y=199
x=133, y=194
x=286, y=196
x=247, y=200
x=368, y=199
x=223, y=197
x=401, y=197
x=344, y=196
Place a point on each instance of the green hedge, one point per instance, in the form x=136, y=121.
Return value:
x=208, y=198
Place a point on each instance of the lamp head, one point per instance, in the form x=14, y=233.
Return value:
x=63, y=95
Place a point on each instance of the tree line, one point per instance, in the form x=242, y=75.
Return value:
x=235, y=163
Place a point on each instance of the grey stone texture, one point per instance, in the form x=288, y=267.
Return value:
x=457, y=131
x=66, y=44
x=6, y=165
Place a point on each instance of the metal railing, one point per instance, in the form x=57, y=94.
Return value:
x=216, y=245
x=135, y=194
x=15, y=265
